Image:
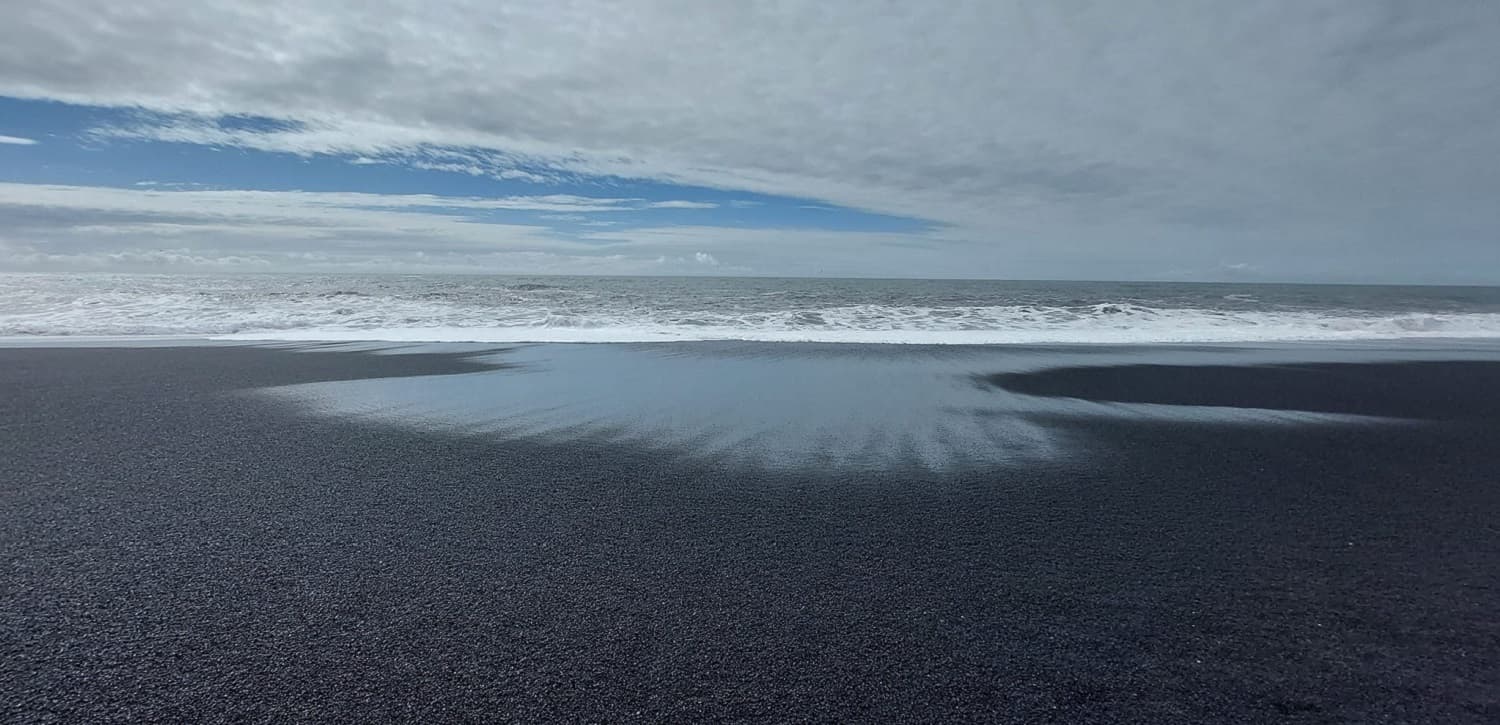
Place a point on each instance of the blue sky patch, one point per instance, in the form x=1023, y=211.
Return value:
x=76, y=147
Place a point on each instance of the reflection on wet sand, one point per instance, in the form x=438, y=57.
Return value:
x=841, y=407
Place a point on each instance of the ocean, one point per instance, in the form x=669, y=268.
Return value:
x=432, y=308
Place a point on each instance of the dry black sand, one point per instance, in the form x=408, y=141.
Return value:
x=171, y=551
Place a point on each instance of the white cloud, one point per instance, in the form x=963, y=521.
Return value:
x=1092, y=137
x=157, y=196
x=53, y=223
x=17, y=141
x=181, y=259
x=682, y=205
x=155, y=228
x=53, y=227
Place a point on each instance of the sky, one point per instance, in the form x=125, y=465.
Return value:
x=1277, y=140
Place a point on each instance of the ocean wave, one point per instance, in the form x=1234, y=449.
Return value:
x=1184, y=327
x=337, y=309
x=424, y=321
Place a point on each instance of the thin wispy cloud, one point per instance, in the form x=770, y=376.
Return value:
x=17, y=141
x=155, y=226
x=682, y=205
x=154, y=196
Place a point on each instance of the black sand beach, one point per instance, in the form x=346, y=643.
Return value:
x=174, y=550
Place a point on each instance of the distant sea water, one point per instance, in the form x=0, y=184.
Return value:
x=644, y=309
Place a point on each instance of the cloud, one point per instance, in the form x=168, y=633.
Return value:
x=156, y=195
x=17, y=141
x=185, y=260
x=682, y=205
x=78, y=226
x=1094, y=137
x=162, y=228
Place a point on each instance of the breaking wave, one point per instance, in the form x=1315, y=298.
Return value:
x=446, y=311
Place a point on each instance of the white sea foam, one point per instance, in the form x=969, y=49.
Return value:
x=434, y=310
x=1183, y=326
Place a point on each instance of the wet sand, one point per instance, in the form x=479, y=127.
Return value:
x=176, y=548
